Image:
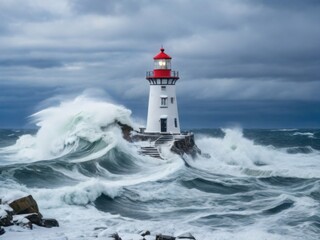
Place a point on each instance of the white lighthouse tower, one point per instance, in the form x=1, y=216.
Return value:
x=162, y=110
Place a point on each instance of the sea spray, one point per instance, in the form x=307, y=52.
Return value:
x=83, y=173
x=236, y=155
x=62, y=127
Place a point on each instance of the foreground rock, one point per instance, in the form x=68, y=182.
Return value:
x=24, y=205
x=23, y=212
x=6, y=215
x=146, y=236
x=182, y=236
x=164, y=237
x=186, y=236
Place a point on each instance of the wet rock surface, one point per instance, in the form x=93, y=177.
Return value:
x=164, y=237
x=186, y=145
x=23, y=212
x=24, y=205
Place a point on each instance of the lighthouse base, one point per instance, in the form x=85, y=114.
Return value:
x=180, y=144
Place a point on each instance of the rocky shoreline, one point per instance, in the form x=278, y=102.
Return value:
x=24, y=213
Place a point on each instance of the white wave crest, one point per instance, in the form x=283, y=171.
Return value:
x=62, y=127
x=308, y=134
x=235, y=155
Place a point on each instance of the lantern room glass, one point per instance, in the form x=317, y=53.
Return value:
x=162, y=64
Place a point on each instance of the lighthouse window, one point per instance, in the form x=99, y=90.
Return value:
x=163, y=88
x=162, y=64
x=175, y=123
x=164, y=102
x=172, y=100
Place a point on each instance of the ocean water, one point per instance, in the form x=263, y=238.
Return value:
x=258, y=184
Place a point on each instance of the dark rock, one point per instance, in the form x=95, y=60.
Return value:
x=35, y=218
x=24, y=205
x=126, y=131
x=164, y=237
x=145, y=233
x=115, y=236
x=186, y=236
x=2, y=231
x=6, y=220
x=49, y=222
x=186, y=145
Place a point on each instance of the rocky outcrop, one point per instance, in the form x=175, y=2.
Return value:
x=182, y=143
x=24, y=205
x=126, y=131
x=186, y=145
x=6, y=215
x=23, y=212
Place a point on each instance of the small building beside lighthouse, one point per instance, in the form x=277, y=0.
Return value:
x=163, y=114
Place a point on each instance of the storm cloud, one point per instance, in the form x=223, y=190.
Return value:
x=232, y=55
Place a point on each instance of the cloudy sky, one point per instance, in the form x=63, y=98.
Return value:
x=253, y=63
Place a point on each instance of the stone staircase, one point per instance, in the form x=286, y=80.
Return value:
x=153, y=150
x=150, y=151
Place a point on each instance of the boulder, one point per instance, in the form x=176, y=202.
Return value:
x=24, y=212
x=186, y=145
x=6, y=220
x=164, y=237
x=145, y=233
x=35, y=218
x=186, y=236
x=24, y=205
x=6, y=214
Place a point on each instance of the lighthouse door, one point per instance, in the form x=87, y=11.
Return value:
x=163, y=124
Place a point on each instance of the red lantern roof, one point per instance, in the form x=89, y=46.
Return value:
x=162, y=55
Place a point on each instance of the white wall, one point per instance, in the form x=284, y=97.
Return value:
x=155, y=110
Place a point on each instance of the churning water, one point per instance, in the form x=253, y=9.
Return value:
x=258, y=184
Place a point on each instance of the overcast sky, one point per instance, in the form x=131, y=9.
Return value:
x=250, y=63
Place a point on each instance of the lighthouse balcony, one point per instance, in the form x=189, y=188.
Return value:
x=170, y=74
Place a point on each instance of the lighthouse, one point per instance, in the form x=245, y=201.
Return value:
x=163, y=115
x=163, y=127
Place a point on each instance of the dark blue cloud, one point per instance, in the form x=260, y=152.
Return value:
x=246, y=62
x=34, y=63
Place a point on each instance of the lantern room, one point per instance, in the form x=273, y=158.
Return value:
x=162, y=67
x=162, y=60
